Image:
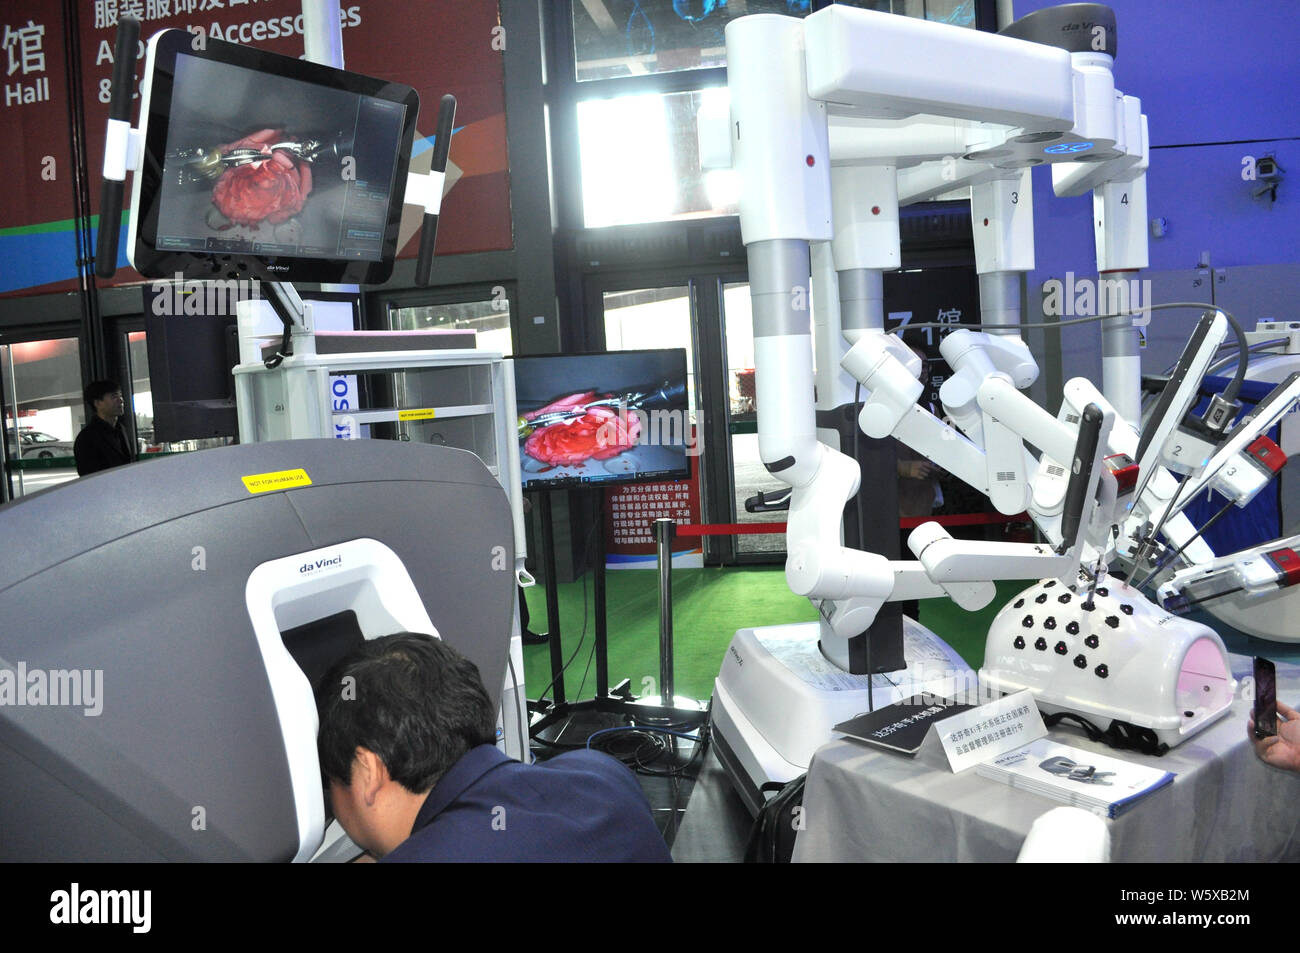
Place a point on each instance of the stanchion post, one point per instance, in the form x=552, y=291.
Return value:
x=666, y=708
x=664, y=533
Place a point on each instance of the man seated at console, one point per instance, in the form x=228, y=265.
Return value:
x=407, y=752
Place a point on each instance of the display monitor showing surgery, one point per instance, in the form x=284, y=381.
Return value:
x=265, y=166
x=615, y=417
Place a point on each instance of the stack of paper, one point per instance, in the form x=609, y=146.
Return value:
x=1095, y=782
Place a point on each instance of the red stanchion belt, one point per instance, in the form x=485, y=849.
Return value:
x=909, y=522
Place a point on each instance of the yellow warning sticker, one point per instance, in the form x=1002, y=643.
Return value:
x=279, y=480
x=426, y=413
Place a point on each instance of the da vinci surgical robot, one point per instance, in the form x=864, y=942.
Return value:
x=835, y=121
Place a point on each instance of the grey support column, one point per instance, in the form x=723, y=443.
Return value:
x=1121, y=365
x=780, y=296
x=1000, y=301
x=778, y=274
x=862, y=299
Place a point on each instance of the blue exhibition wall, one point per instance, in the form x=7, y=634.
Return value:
x=1219, y=80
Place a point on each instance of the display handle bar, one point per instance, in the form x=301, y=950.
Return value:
x=1076, y=492
x=441, y=146
x=119, y=125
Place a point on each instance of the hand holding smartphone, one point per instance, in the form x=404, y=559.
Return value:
x=1274, y=727
x=1265, y=698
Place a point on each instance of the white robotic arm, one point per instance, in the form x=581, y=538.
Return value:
x=885, y=367
x=1245, y=463
x=1242, y=466
x=1252, y=572
x=847, y=585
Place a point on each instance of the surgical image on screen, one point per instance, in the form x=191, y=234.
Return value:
x=602, y=418
x=268, y=165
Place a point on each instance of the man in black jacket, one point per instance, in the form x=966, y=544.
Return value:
x=103, y=442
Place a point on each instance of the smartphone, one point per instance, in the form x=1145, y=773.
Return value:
x=1265, y=698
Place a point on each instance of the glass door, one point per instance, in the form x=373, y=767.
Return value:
x=639, y=319
x=644, y=318
x=43, y=412
x=487, y=314
x=140, y=395
x=709, y=314
x=679, y=308
x=485, y=311
x=134, y=362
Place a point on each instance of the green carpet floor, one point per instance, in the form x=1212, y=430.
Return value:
x=709, y=605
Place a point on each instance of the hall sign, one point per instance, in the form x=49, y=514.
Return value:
x=19, y=95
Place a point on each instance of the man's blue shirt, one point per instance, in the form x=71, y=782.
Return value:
x=579, y=806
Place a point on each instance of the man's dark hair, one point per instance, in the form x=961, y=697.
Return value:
x=98, y=390
x=411, y=699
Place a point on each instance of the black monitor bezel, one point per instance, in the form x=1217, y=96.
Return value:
x=153, y=263
x=614, y=480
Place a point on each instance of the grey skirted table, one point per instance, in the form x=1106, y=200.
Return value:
x=864, y=804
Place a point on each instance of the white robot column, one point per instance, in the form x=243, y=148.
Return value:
x=1119, y=222
x=1002, y=220
x=779, y=289
x=1119, y=219
x=1119, y=204
x=866, y=243
x=779, y=148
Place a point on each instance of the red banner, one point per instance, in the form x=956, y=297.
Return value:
x=35, y=147
x=37, y=245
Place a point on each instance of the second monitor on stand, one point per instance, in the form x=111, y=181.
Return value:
x=587, y=422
